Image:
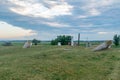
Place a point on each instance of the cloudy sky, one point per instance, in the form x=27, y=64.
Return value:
x=45, y=19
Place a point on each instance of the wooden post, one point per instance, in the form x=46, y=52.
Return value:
x=78, y=39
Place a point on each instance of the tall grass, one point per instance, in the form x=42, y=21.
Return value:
x=46, y=62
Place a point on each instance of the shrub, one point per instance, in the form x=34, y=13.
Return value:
x=35, y=41
x=7, y=44
x=116, y=40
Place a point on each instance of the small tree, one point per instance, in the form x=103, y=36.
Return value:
x=35, y=41
x=63, y=39
x=116, y=40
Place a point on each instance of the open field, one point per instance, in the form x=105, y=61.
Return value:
x=46, y=62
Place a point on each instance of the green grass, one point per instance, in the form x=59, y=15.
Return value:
x=46, y=62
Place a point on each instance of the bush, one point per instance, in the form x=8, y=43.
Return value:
x=7, y=44
x=116, y=40
x=63, y=39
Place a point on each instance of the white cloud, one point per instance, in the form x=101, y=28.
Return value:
x=36, y=9
x=9, y=31
x=55, y=24
x=102, y=32
x=95, y=7
x=94, y=12
x=82, y=16
x=86, y=25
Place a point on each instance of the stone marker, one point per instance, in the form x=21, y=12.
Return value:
x=59, y=43
x=88, y=44
x=27, y=44
x=72, y=42
x=103, y=46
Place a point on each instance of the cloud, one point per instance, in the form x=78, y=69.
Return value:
x=95, y=7
x=56, y=25
x=89, y=17
x=35, y=9
x=86, y=25
x=9, y=31
x=103, y=33
x=82, y=16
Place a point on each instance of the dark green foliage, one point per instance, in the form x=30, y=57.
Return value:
x=7, y=44
x=54, y=42
x=116, y=40
x=65, y=40
x=35, y=41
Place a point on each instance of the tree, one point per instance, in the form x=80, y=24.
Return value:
x=116, y=40
x=35, y=41
x=63, y=39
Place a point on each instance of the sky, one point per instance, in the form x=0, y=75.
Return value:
x=46, y=19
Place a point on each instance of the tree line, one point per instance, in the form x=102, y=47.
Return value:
x=66, y=39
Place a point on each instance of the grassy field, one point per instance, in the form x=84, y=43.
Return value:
x=46, y=62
